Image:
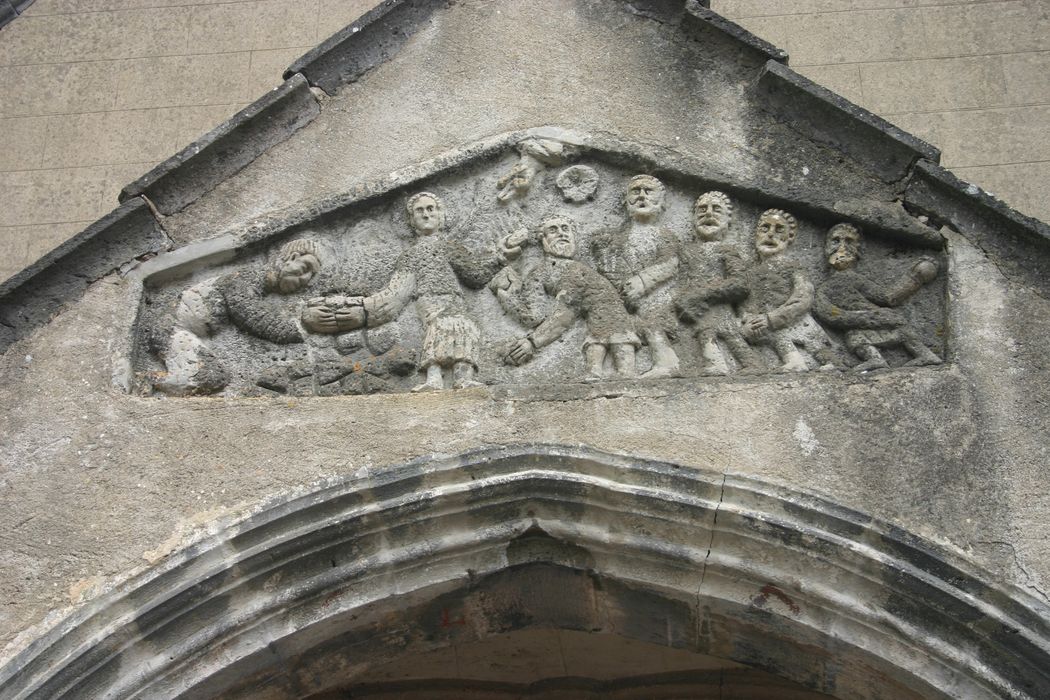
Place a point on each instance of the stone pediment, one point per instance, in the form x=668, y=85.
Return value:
x=643, y=278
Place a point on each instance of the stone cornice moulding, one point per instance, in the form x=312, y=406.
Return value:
x=721, y=564
x=926, y=188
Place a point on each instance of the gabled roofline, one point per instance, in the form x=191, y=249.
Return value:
x=133, y=230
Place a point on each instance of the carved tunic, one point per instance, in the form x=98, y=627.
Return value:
x=711, y=278
x=267, y=316
x=588, y=295
x=650, y=252
x=430, y=272
x=780, y=290
x=851, y=302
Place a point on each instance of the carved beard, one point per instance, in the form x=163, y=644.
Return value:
x=842, y=259
x=711, y=228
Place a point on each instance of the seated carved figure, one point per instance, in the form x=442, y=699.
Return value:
x=863, y=309
x=712, y=277
x=261, y=302
x=579, y=292
x=776, y=312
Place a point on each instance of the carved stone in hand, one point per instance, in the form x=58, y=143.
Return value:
x=520, y=353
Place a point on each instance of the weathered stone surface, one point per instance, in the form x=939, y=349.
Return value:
x=58, y=279
x=827, y=118
x=217, y=155
x=877, y=534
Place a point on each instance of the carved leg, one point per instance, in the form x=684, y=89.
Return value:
x=595, y=356
x=435, y=380
x=665, y=359
x=791, y=358
x=623, y=360
x=872, y=359
x=743, y=353
x=921, y=355
x=463, y=376
x=715, y=364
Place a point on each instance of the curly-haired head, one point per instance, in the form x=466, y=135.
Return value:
x=775, y=231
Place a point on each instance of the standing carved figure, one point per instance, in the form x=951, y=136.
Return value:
x=640, y=260
x=776, y=311
x=850, y=302
x=430, y=273
x=580, y=292
x=712, y=277
x=261, y=302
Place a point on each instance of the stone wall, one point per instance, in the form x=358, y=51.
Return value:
x=93, y=93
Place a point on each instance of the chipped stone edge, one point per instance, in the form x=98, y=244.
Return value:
x=31, y=297
x=225, y=150
x=943, y=585
x=696, y=11
x=936, y=179
x=369, y=41
x=777, y=78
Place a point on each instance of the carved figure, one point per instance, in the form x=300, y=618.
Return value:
x=580, y=292
x=712, y=277
x=850, y=302
x=776, y=311
x=429, y=273
x=536, y=155
x=577, y=183
x=640, y=260
x=262, y=303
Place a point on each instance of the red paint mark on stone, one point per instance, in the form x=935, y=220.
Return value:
x=447, y=621
x=760, y=600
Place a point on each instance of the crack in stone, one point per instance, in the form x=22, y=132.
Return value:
x=1029, y=577
x=710, y=545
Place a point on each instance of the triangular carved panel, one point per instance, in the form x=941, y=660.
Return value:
x=542, y=258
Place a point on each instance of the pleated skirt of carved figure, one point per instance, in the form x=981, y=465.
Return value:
x=449, y=337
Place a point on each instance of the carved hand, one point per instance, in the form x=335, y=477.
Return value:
x=754, y=326
x=318, y=318
x=634, y=288
x=519, y=179
x=511, y=244
x=521, y=352
x=925, y=270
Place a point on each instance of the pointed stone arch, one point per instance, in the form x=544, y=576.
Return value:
x=309, y=592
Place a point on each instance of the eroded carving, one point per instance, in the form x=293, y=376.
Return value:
x=712, y=278
x=645, y=278
x=776, y=310
x=579, y=292
x=863, y=309
x=577, y=183
x=640, y=259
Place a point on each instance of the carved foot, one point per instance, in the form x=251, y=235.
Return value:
x=466, y=384
x=924, y=360
x=661, y=373
x=873, y=363
x=427, y=386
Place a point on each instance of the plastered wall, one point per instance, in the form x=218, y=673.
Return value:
x=93, y=93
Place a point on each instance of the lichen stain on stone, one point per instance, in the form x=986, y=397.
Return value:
x=803, y=434
x=764, y=593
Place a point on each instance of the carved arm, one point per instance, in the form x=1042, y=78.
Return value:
x=797, y=305
x=386, y=304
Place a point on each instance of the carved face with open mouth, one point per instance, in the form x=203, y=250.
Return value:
x=775, y=231
x=645, y=197
x=711, y=215
x=426, y=213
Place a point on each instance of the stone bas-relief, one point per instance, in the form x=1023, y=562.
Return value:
x=509, y=271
